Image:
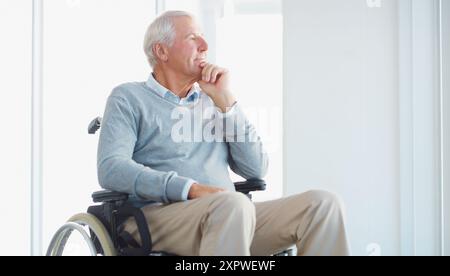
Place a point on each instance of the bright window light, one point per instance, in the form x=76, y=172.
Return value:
x=250, y=44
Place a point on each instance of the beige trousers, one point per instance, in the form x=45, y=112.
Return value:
x=229, y=224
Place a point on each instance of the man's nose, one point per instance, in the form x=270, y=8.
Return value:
x=203, y=46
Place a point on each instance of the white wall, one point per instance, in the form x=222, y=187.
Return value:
x=341, y=112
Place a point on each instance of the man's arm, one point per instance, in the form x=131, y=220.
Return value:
x=117, y=170
x=247, y=155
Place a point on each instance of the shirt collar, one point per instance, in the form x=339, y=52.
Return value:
x=165, y=93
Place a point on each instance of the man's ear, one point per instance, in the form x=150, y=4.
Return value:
x=161, y=52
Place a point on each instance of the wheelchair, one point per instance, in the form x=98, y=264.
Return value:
x=104, y=221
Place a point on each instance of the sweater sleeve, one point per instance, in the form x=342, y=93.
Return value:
x=247, y=156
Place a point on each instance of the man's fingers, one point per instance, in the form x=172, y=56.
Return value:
x=211, y=72
x=204, y=71
x=218, y=73
x=214, y=74
x=207, y=70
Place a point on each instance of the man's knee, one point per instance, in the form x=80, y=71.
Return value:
x=324, y=198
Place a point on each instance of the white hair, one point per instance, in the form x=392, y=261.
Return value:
x=161, y=31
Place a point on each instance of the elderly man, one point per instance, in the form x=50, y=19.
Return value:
x=184, y=188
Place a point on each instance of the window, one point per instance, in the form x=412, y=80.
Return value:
x=246, y=36
x=90, y=46
x=15, y=120
x=250, y=43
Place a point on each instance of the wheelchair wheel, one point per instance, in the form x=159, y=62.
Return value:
x=77, y=223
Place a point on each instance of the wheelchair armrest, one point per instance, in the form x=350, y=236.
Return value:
x=108, y=196
x=251, y=185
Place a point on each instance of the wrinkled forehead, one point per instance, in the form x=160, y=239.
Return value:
x=185, y=25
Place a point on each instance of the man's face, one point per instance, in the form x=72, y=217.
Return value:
x=189, y=49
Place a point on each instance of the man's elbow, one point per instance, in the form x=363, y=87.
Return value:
x=263, y=169
x=104, y=180
x=258, y=171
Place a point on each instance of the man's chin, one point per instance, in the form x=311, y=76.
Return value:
x=197, y=76
x=195, y=73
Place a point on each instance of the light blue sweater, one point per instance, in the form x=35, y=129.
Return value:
x=138, y=154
